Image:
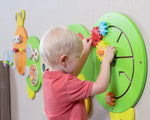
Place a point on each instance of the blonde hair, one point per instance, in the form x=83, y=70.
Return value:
x=58, y=41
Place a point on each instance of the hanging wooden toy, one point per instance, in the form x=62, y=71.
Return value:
x=8, y=59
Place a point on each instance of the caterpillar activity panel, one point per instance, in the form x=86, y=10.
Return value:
x=126, y=83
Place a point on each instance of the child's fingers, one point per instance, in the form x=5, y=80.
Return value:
x=88, y=39
x=111, y=48
x=108, y=48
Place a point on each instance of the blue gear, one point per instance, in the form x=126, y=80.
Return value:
x=103, y=28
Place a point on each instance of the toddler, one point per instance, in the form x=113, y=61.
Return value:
x=64, y=54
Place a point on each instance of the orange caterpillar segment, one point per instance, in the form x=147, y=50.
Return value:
x=22, y=43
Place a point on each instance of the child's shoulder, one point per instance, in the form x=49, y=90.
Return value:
x=58, y=74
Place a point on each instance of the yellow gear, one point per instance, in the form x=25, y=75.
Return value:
x=100, y=51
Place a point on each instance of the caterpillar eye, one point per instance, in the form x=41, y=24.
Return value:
x=17, y=39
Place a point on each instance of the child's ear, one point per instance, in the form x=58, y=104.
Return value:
x=63, y=59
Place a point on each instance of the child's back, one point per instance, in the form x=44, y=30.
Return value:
x=64, y=96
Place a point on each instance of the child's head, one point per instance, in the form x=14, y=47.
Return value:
x=58, y=45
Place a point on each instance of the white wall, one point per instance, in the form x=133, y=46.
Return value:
x=42, y=14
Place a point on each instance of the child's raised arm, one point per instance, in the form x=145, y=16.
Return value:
x=103, y=78
x=87, y=42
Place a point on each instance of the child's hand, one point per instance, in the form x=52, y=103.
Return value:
x=87, y=45
x=109, y=54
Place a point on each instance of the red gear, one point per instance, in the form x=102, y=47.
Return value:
x=95, y=36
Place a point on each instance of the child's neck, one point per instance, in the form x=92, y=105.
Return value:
x=51, y=68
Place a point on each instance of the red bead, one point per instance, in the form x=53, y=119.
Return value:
x=15, y=50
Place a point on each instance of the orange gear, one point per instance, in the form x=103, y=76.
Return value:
x=110, y=99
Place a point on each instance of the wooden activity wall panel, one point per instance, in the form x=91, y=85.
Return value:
x=126, y=84
x=128, y=69
x=130, y=60
x=25, y=56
